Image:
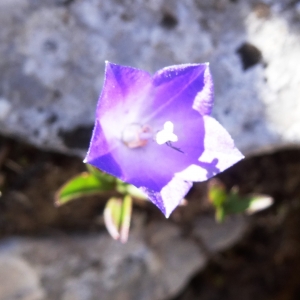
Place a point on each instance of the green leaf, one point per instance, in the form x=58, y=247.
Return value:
x=117, y=217
x=112, y=216
x=125, y=218
x=249, y=203
x=258, y=203
x=104, y=177
x=216, y=192
x=85, y=184
x=220, y=214
x=236, y=204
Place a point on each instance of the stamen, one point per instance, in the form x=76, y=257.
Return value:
x=175, y=148
x=166, y=135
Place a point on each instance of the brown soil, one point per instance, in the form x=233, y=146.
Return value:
x=264, y=265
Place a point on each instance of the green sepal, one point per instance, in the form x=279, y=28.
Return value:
x=129, y=189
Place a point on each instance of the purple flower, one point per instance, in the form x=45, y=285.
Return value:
x=155, y=132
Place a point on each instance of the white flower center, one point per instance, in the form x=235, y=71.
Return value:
x=135, y=135
x=166, y=135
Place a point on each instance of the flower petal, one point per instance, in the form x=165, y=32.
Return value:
x=203, y=102
x=219, y=153
x=153, y=165
x=170, y=196
x=122, y=86
x=122, y=100
x=123, y=93
x=181, y=142
x=99, y=154
x=183, y=87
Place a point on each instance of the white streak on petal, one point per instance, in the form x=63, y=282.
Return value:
x=219, y=153
x=204, y=100
x=173, y=193
x=193, y=173
x=219, y=145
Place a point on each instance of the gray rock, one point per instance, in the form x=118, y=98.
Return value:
x=53, y=55
x=18, y=280
x=156, y=263
x=218, y=237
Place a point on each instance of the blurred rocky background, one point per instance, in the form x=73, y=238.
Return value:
x=51, y=73
x=53, y=52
